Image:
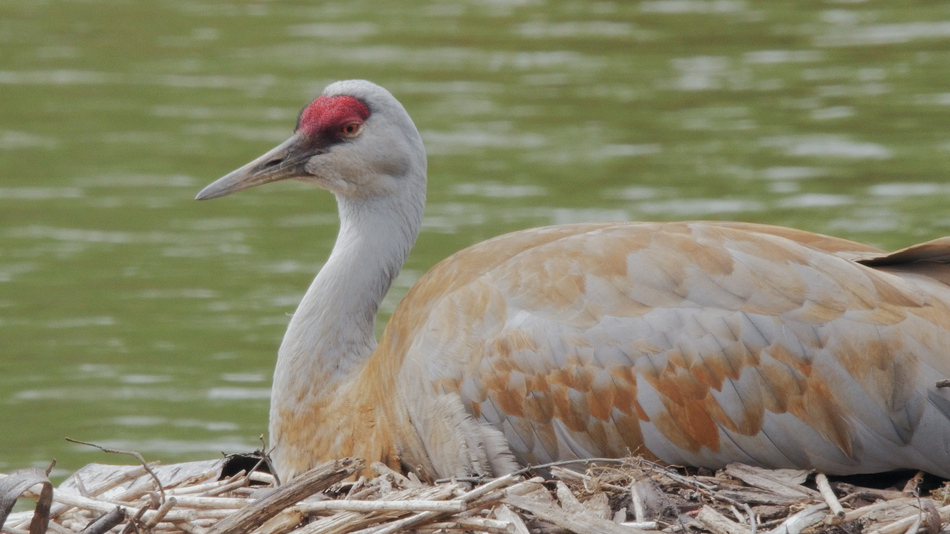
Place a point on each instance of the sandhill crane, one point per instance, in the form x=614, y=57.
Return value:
x=694, y=343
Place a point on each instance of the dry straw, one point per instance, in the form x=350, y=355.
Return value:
x=595, y=496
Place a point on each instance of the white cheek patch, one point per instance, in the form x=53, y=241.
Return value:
x=341, y=186
x=324, y=172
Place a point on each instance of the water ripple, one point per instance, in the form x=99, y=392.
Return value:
x=884, y=34
x=499, y=190
x=600, y=29
x=815, y=200
x=699, y=206
x=828, y=146
x=39, y=193
x=337, y=30
x=677, y=7
x=13, y=140
x=235, y=393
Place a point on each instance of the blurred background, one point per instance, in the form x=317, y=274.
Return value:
x=136, y=318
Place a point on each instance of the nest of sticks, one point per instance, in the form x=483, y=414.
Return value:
x=596, y=496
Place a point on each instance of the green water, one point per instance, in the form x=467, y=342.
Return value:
x=134, y=317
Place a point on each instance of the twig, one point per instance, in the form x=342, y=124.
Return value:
x=382, y=506
x=265, y=478
x=349, y=522
x=571, y=462
x=57, y=529
x=131, y=525
x=926, y=511
x=283, y=522
x=851, y=515
x=265, y=455
x=265, y=459
x=161, y=512
x=569, y=475
x=384, y=470
x=735, y=511
x=307, y=484
x=504, y=513
x=468, y=524
x=646, y=525
x=425, y=517
x=81, y=487
x=909, y=524
x=753, y=523
x=476, y=480
x=763, y=479
x=210, y=489
x=798, y=522
x=718, y=523
x=575, y=522
x=854, y=492
x=478, y=492
x=13, y=486
x=639, y=509
x=133, y=454
x=824, y=488
x=103, y=507
x=667, y=472
x=131, y=474
x=105, y=522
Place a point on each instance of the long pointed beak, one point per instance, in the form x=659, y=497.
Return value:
x=284, y=161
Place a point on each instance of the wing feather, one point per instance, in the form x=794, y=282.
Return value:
x=695, y=343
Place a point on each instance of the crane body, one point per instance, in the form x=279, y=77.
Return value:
x=693, y=343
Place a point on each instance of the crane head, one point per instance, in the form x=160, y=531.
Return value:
x=355, y=140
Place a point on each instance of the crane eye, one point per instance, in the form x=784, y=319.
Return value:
x=350, y=129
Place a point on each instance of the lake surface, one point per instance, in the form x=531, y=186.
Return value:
x=133, y=317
